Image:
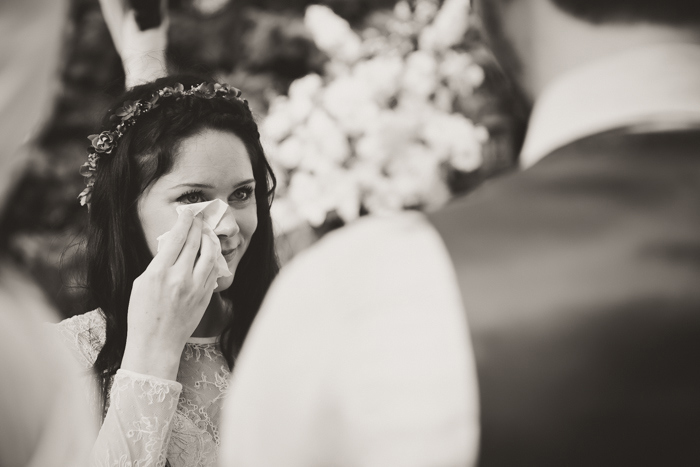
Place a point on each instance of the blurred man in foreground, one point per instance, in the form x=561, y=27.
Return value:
x=44, y=419
x=551, y=318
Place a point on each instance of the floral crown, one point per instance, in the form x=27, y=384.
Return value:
x=105, y=142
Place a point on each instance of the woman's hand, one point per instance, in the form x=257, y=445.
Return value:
x=142, y=52
x=169, y=299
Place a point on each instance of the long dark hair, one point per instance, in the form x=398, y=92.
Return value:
x=117, y=252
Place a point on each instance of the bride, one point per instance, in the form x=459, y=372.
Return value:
x=180, y=254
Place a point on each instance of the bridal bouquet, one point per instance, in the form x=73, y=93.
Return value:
x=379, y=131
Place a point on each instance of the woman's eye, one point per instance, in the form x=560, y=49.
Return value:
x=191, y=198
x=243, y=194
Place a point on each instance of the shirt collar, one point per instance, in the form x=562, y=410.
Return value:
x=654, y=85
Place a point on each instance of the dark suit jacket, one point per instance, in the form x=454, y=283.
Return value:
x=581, y=282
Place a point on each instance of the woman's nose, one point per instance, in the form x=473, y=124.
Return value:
x=227, y=227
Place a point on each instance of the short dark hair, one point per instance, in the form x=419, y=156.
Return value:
x=117, y=252
x=668, y=12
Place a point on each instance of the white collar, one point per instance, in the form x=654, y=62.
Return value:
x=656, y=85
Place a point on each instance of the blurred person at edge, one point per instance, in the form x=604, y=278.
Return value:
x=550, y=318
x=44, y=420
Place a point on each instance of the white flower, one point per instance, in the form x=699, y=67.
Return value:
x=307, y=151
x=383, y=199
x=394, y=129
x=305, y=88
x=316, y=195
x=371, y=148
x=343, y=193
x=285, y=216
x=289, y=153
x=365, y=173
x=326, y=135
x=336, y=69
x=460, y=72
x=299, y=110
x=381, y=134
x=454, y=64
x=380, y=75
x=332, y=34
x=281, y=176
x=351, y=104
x=425, y=11
x=420, y=76
x=416, y=160
x=453, y=137
x=402, y=11
x=284, y=115
x=466, y=151
x=448, y=28
x=307, y=195
x=444, y=99
x=437, y=195
x=413, y=178
x=476, y=75
x=416, y=174
x=278, y=123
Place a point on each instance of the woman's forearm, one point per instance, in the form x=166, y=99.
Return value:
x=152, y=358
x=136, y=429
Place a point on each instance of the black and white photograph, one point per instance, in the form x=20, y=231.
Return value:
x=337, y=233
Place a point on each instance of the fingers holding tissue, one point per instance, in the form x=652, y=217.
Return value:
x=212, y=212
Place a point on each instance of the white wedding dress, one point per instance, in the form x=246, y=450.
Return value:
x=151, y=420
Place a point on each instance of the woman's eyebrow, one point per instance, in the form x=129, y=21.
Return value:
x=244, y=182
x=206, y=185
x=194, y=185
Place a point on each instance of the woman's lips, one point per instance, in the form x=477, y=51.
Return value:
x=229, y=254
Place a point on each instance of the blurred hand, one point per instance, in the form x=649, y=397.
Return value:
x=142, y=52
x=169, y=299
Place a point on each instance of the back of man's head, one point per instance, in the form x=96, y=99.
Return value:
x=537, y=41
x=667, y=12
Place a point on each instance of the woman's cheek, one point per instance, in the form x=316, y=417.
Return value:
x=156, y=217
x=152, y=229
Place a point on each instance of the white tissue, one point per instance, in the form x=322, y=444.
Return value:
x=212, y=212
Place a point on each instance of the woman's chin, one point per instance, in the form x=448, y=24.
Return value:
x=223, y=283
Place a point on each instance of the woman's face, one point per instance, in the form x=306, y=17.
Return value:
x=211, y=165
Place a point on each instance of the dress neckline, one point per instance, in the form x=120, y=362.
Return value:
x=202, y=340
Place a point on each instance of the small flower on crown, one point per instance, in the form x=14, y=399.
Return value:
x=205, y=90
x=130, y=110
x=104, y=142
x=126, y=115
x=168, y=91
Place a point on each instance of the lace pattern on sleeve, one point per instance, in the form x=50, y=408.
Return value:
x=136, y=431
x=149, y=419
x=84, y=335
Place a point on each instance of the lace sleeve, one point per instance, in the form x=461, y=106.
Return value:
x=137, y=427
x=83, y=336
